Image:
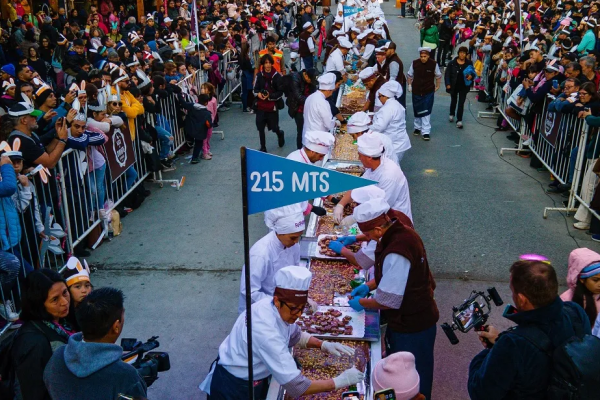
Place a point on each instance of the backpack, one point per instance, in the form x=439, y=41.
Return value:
x=7, y=373
x=575, y=363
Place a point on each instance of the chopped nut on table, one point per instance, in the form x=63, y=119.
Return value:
x=344, y=148
x=330, y=277
x=326, y=251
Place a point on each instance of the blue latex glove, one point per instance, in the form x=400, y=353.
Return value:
x=336, y=246
x=355, y=304
x=347, y=240
x=360, y=291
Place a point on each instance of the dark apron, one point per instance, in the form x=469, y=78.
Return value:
x=422, y=105
x=225, y=386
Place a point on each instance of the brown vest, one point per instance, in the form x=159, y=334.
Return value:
x=418, y=310
x=303, y=50
x=424, y=77
x=373, y=92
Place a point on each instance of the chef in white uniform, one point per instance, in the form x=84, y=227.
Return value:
x=390, y=119
x=335, y=62
x=374, y=8
x=315, y=146
x=382, y=170
x=275, y=250
x=274, y=332
x=317, y=111
x=359, y=123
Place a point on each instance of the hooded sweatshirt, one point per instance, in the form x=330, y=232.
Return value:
x=578, y=260
x=91, y=371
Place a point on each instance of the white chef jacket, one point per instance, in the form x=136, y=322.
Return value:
x=391, y=121
x=390, y=290
x=317, y=114
x=267, y=256
x=374, y=8
x=391, y=179
x=271, y=339
x=368, y=51
x=335, y=62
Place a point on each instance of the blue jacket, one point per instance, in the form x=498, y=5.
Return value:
x=516, y=369
x=10, y=225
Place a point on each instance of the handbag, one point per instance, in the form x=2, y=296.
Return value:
x=519, y=104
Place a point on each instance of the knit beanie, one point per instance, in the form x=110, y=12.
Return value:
x=397, y=371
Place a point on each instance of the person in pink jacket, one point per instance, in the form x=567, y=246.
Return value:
x=212, y=106
x=583, y=280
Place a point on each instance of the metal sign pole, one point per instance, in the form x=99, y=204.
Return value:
x=247, y=273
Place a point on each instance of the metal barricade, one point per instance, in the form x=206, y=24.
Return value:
x=589, y=152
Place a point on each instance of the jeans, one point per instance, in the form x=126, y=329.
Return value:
x=444, y=49
x=299, y=118
x=130, y=177
x=420, y=344
x=572, y=163
x=98, y=186
x=458, y=98
x=225, y=386
x=164, y=138
x=9, y=272
x=198, y=144
x=308, y=62
x=403, y=9
x=247, y=86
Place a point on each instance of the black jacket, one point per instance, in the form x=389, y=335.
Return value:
x=273, y=86
x=32, y=348
x=197, y=121
x=296, y=90
x=515, y=368
x=446, y=28
x=452, y=73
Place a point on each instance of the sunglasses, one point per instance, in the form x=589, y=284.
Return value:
x=115, y=104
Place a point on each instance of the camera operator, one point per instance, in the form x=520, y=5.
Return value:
x=515, y=368
x=89, y=366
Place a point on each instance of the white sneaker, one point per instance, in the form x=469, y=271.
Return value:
x=451, y=118
x=459, y=125
x=8, y=312
x=581, y=226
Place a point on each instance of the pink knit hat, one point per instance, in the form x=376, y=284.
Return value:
x=398, y=372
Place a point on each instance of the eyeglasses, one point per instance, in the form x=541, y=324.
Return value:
x=115, y=104
x=584, y=94
x=293, y=310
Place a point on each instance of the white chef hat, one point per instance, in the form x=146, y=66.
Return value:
x=307, y=25
x=367, y=73
x=366, y=193
x=378, y=31
x=422, y=49
x=292, y=283
x=355, y=29
x=371, y=214
x=338, y=20
x=327, y=81
x=338, y=32
x=286, y=219
x=370, y=145
x=358, y=122
x=391, y=89
x=345, y=43
x=378, y=24
x=318, y=141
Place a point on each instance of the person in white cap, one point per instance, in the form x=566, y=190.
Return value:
x=359, y=124
x=405, y=288
x=274, y=332
x=391, y=118
x=426, y=76
x=317, y=112
x=368, y=43
x=398, y=372
x=382, y=170
x=306, y=46
x=335, y=61
x=316, y=145
x=372, y=81
x=365, y=257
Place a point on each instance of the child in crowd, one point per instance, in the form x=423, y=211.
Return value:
x=212, y=105
x=397, y=371
x=77, y=276
x=197, y=123
x=583, y=279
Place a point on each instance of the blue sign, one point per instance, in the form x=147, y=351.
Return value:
x=352, y=10
x=275, y=181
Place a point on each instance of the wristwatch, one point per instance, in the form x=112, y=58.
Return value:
x=62, y=140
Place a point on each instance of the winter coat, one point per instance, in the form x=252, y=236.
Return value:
x=516, y=369
x=430, y=35
x=10, y=226
x=91, y=371
x=32, y=348
x=452, y=73
x=578, y=260
x=197, y=121
x=296, y=96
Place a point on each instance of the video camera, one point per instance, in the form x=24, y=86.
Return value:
x=148, y=363
x=472, y=313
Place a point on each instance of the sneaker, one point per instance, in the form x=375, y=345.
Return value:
x=263, y=149
x=524, y=154
x=596, y=237
x=582, y=226
x=417, y=132
x=223, y=108
x=426, y=136
x=195, y=161
x=451, y=118
x=251, y=111
x=560, y=188
x=206, y=157
x=165, y=168
x=8, y=312
x=459, y=125
x=280, y=139
x=245, y=110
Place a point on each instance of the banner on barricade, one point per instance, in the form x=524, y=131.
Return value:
x=551, y=125
x=119, y=151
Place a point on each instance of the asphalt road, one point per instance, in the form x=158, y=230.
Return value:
x=180, y=255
